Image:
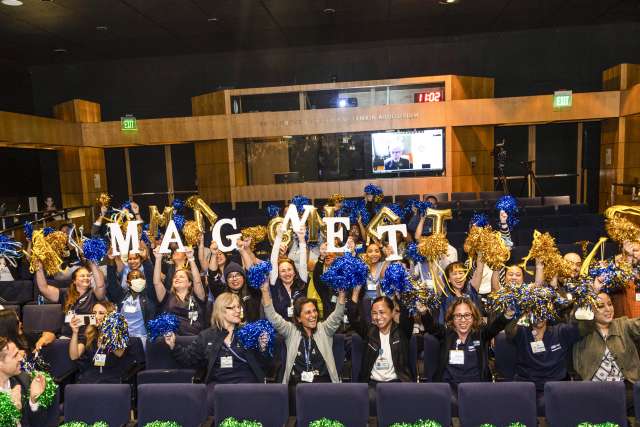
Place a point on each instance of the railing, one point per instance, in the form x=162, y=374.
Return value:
x=15, y=221
x=635, y=193
x=529, y=180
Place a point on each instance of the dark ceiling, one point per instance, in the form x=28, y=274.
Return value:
x=29, y=34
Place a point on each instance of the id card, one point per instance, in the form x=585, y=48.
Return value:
x=290, y=311
x=537, y=347
x=346, y=319
x=456, y=357
x=371, y=286
x=637, y=296
x=334, y=299
x=99, y=359
x=382, y=364
x=226, y=362
x=583, y=313
x=193, y=316
x=130, y=308
x=307, y=376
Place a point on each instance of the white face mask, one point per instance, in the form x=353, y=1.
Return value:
x=138, y=285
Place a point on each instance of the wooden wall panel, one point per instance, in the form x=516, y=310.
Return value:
x=472, y=164
x=78, y=111
x=208, y=104
x=266, y=159
x=212, y=171
x=465, y=87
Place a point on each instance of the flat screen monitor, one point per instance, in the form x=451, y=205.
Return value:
x=410, y=151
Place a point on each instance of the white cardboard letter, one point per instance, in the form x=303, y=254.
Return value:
x=215, y=234
x=171, y=235
x=121, y=244
x=332, y=233
x=393, y=242
x=292, y=216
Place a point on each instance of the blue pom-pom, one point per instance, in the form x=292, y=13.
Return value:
x=373, y=189
x=258, y=273
x=299, y=201
x=114, y=332
x=354, y=209
x=178, y=205
x=509, y=204
x=346, y=272
x=48, y=230
x=273, y=211
x=396, y=279
x=9, y=248
x=396, y=209
x=412, y=253
x=249, y=335
x=479, y=219
x=423, y=206
x=408, y=206
x=162, y=325
x=28, y=230
x=126, y=205
x=179, y=220
x=94, y=249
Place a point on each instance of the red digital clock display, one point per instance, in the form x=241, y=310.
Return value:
x=435, y=94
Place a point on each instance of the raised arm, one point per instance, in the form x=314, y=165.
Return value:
x=198, y=289
x=244, y=248
x=100, y=290
x=476, y=279
x=495, y=281
x=275, y=253
x=539, y=277
x=283, y=327
x=157, y=275
x=336, y=317
x=49, y=292
x=213, y=261
x=201, y=255
x=302, y=254
x=76, y=349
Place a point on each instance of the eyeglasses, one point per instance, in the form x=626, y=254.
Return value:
x=235, y=307
x=234, y=276
x=465, y=316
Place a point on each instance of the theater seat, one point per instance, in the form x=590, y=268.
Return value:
x=506, y=355
x=45, y=317
x=431, y=357
x=56, y=355
x=408, y=403
x=569, y=403
x=356, y=357
x=269, y=403
x=162, y=367
x=90, y=403
x=499, y=404
x=347, y=403
x=182, y=403
x=338, y=352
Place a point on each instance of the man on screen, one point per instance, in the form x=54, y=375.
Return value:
x=396, y=161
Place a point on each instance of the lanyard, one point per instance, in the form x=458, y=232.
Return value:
x=230, y=348
x=307, y=353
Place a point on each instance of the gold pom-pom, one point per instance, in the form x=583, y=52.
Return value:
x=191, y=233
x=495, y=252
x=474, y=239
x=257, y=234
x=544, y=249
x=104, y=199
x=335, y=198
x=47, y=251
x=622, y=230
x=433, y=247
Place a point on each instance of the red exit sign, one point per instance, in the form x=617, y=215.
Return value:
x=435, y=94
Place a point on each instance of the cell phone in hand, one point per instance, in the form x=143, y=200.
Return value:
x=88, y=319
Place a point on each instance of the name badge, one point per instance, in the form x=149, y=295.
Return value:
x=68, y=316
x=430, y=284
x=290, y=311
x=346, y=319
x=456, y=357
x=99, y=359
x=193, y=316
x=583, y=313
x=129, y=308
x=371, y=286
x=537, y=347
x=382, y=364
x=226, y=362
x=638, y=296
x=334, y=299
x=307, y=376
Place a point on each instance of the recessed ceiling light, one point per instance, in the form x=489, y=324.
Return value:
x=60, y=50
x=329, y=10
x=448, y=1
x=11, y=2
x=102, y=28
x=214, y=19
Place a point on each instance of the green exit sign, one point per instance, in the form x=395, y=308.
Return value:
x=128, y=123
x=562, y=99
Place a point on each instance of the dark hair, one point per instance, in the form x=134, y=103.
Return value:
x=451, y=266
x=297, y=308
x=388, y=301
x=475, y=313
x=10, y=328
x=4, y=342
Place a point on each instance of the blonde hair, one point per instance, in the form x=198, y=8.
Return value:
x=221, y=303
